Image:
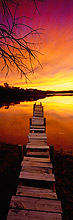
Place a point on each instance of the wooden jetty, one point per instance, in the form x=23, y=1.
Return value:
x=36, y=196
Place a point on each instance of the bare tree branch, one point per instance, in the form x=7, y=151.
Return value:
x=15, y=49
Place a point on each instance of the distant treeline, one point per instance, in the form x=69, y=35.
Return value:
x=12, y=94
x=15, y=94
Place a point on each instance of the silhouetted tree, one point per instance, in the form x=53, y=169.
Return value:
x=15, y=49
x=6, y=85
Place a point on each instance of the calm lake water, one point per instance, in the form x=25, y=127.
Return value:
x=58, y=110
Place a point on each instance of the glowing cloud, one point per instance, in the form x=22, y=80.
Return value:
x=56, y=19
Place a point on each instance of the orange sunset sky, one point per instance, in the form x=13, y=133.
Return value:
x=55, y=44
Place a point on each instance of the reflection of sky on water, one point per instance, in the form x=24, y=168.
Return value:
x=14, y=123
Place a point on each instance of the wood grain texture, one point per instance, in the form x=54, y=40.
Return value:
x=36, y=204
x=32, y=153
x=37, y=176
x=37, y=129
x=36, y=170
x=37, y=135
x=34, y=164
x=16, y=214
x=37, y=147
x=37, y=122
x=36, y=192
x=37, y=126
x=41, y=160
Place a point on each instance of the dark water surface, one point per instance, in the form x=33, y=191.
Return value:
x=58, y=110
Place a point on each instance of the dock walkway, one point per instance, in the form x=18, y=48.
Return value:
x=36, y=196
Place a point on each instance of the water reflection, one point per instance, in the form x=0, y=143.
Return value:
x=14, y=122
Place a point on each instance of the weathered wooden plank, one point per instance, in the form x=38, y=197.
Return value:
x=34, y=135
x=37, y=176
x=38, y=108
x=40, y=139
x=40, y=113
x=37, y=114
x=37, y=126
x=36, y=204
x=37, y=129
x=37, y=135
x=37, y=122
x=36, y=192
x=31, y=153
x=39, y=143
x=38, y=164
x=37, y=147
x=17, y=214
x=36, y=169
x=38, y=118
x=41, y=160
